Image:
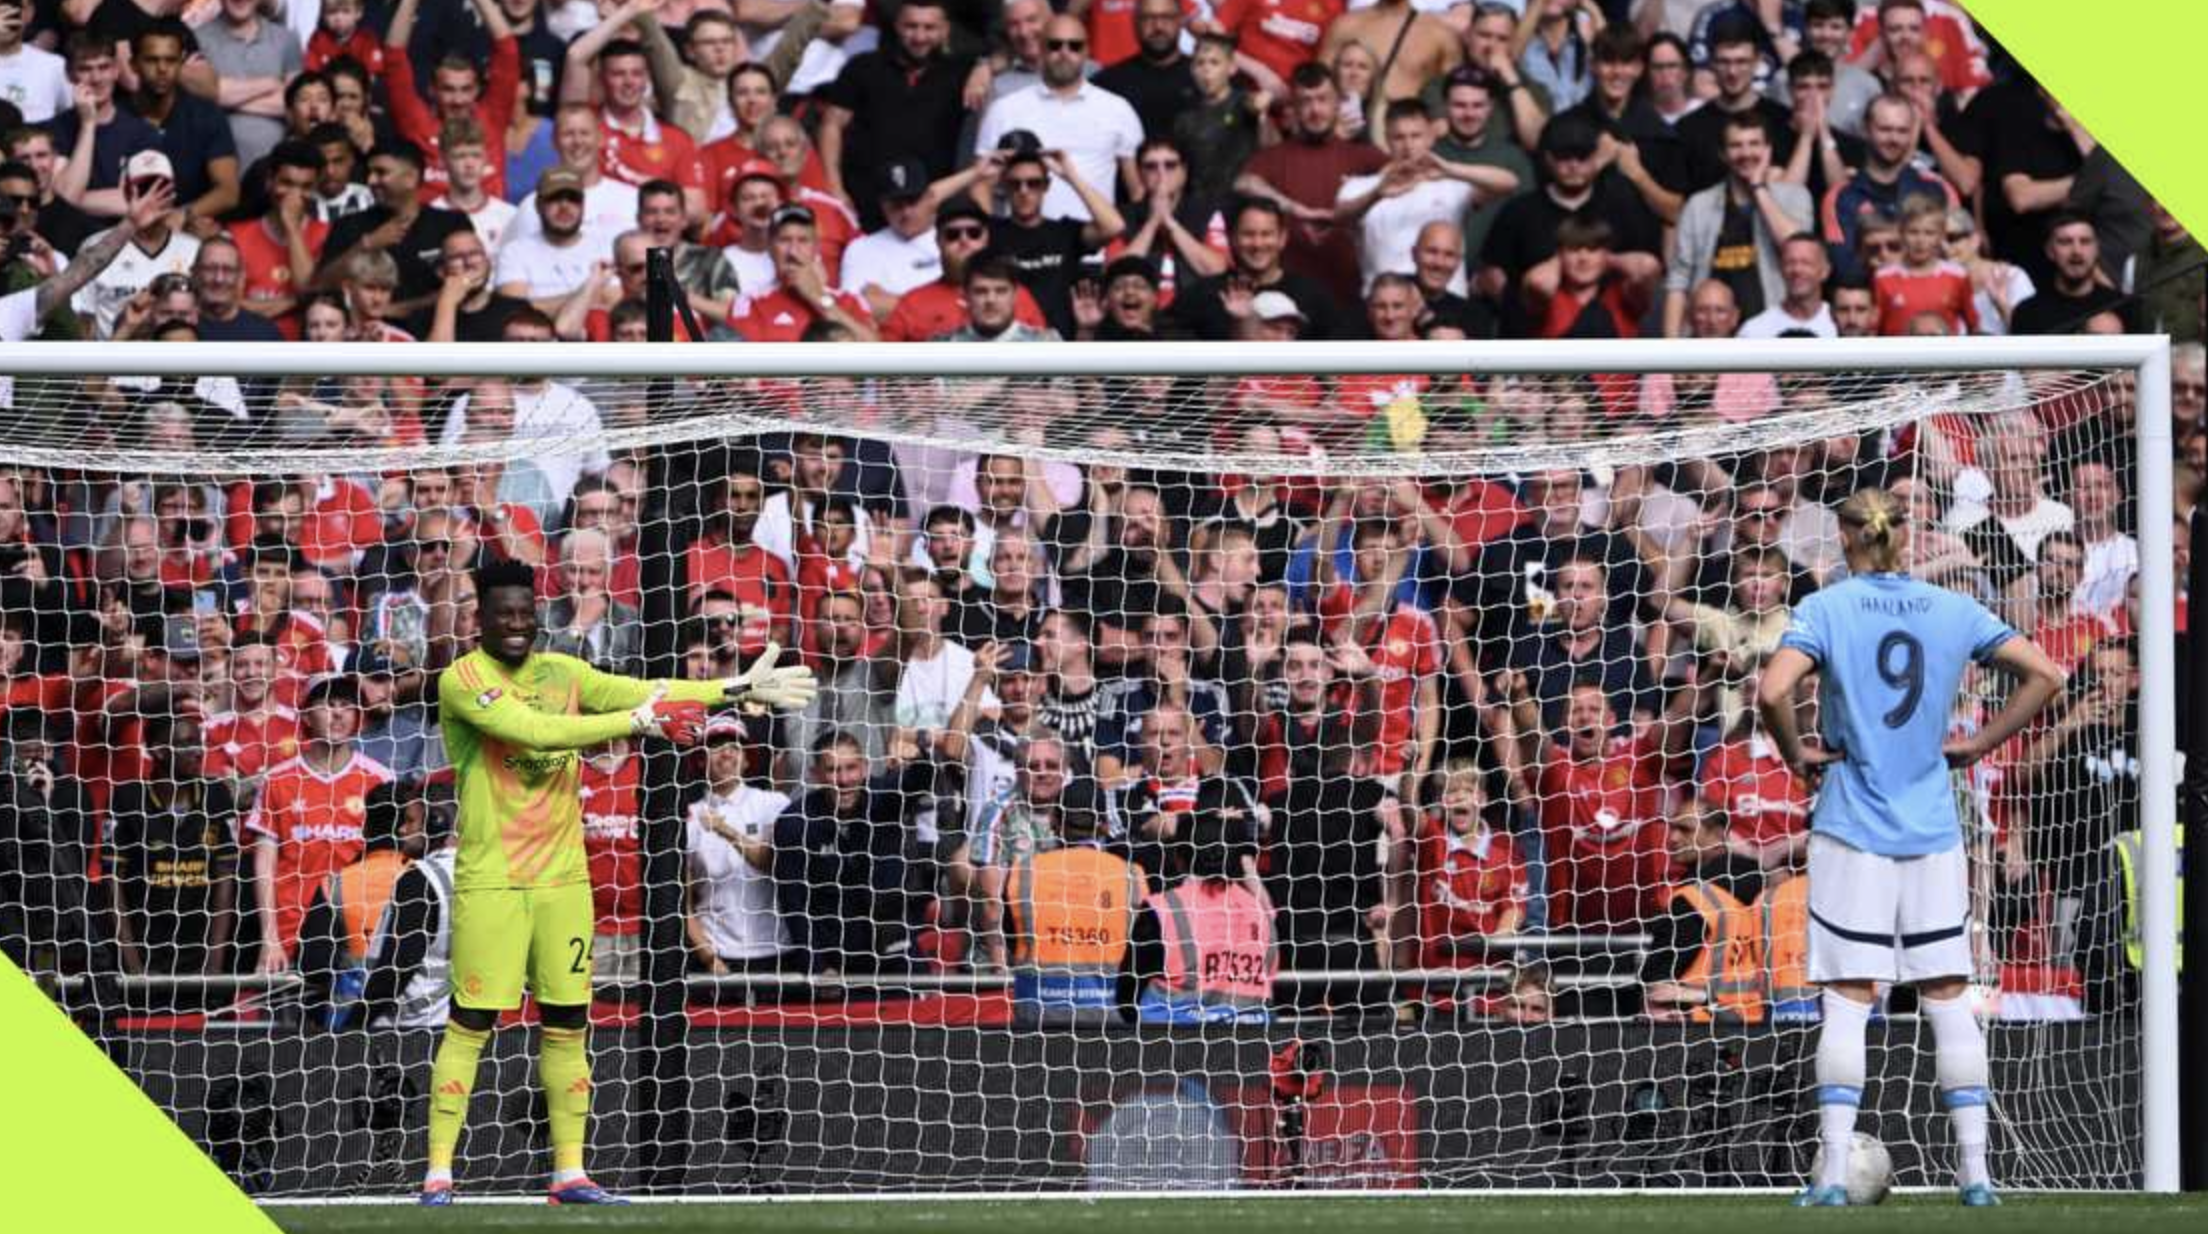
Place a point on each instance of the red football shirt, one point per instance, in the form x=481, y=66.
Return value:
x=933, y=310
x=343, y=524
x=1466, y=885
x=610, y=843
x=652, y=151
x=315, y=820
x=1602, y=826
x=243, y=745
x=758, y=580
x=1945, y=289
x=776, y=316
x=1750, y=782
x=1405, y=652
x=1279, y=34
x=265, y=265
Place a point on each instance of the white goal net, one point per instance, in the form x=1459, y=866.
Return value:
x=1337, y=776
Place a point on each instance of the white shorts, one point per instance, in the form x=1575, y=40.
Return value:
x=1899, y=919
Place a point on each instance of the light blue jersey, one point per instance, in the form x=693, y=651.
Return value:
x=1890, y=653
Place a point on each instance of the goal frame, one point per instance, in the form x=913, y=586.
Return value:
x=2147, y=357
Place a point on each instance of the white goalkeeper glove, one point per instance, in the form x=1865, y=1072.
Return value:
x=789, y=688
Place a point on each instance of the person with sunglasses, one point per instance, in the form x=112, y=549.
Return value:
x=1096, y=130
x=1048, y=250
x=938, y=307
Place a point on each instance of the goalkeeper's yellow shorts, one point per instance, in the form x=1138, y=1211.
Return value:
x=503, y=937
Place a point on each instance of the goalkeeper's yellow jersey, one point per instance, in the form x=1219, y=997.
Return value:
x=514, y=737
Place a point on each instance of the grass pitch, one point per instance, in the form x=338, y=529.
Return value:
x=2023, y=1214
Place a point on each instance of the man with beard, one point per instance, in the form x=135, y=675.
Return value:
x=840, y=858
x=1256, y=238
x=1095, y=130
x=2074, y=251
x=1302, y=176
x=547, y=267
x=726, y=558
x=400, y=223
x=1155, y=81
x=939, y=307
x=906, y=98
x=1573, y=180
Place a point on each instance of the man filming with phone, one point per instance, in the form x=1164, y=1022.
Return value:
x=149, y=202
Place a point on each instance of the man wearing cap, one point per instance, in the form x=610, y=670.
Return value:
x=1047, y=250
x=609, y=206
x=937, y=308
x=545, y=268
x=907, y=97
x=883, y=265
x=1093, y=130
x=397, y=735
x=156, y=246
x=400, y=223
x=800, y=293
x=1572, y=180
x=742, y=227
x=306, y=824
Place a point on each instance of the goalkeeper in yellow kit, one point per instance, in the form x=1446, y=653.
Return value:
x=515, y=721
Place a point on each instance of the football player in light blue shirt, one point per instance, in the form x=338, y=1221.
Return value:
x=1889, y=890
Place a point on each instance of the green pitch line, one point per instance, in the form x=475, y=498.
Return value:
x=1454, y=1215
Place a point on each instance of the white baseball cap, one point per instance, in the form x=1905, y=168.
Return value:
x=149, y=165
x=1276, y=306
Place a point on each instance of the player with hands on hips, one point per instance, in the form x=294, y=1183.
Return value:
x=1889, y=887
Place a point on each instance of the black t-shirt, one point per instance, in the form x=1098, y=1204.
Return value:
x=195, y=132
x=1324, y=871
x=1049, y=256
x=246, y=327
x=2012, y=121
x=1156, y=92
x=112, y=145
x=897, y=111
x=66, y=227
x=2051, y=312
x=2091, y=794
x=1702, y=133
x=1475, y=317
x=168, y=858
x=417, y=252
x=1198, y=308
x=1524, y=236
x=119, y=21
x=483, y=325
x=1661, y=150
x=1734, y=261
x=458, y=29
x=1498, y=585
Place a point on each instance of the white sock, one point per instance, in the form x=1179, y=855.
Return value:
x=1963, y=1078
x=561, y=1178
x=437, y=1178
x=1840, y=1067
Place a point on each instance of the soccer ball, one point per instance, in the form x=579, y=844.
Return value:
x=1870, y=1170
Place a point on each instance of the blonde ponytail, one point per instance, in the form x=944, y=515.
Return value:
x=1870, y=530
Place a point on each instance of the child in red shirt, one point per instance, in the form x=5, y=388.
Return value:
x=340, y=33
x=1925, y=281
x=1471, y=878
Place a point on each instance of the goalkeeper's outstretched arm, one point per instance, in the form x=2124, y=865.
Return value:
x=617, y=706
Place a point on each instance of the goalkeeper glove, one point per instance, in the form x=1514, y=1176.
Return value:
x=764, y=685
x=677, y=721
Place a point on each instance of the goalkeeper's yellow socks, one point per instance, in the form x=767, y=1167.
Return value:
x=451, y=1079
x=563, y=1067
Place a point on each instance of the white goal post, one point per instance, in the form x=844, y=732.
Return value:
x=2146, y=359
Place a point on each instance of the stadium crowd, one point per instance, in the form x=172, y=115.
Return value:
x=1380, y=723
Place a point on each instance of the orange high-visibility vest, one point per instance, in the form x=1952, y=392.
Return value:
x=1786, y=984
x=358, y=894
x=1071, y=912
x=1729, y=968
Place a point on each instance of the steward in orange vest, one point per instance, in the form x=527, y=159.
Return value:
x=1070, y=910
x=1705, y=954
x=1784, y=912
x=334, y=939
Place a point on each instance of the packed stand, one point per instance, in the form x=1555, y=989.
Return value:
x=1365, y=728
